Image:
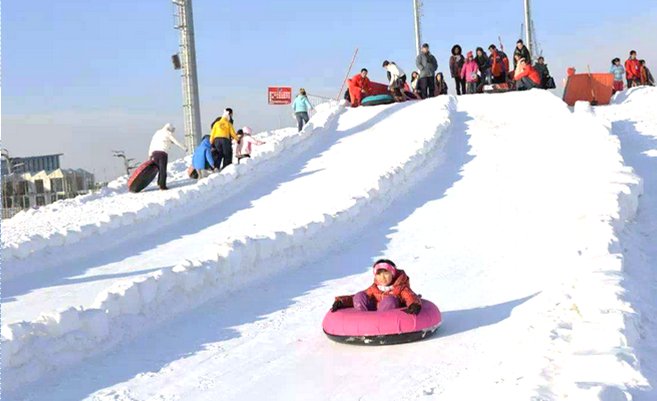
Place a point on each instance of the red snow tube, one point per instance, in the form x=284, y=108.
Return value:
x=142, y=176
x=381, y=328
x=378, y=89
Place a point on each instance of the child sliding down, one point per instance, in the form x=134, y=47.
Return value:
x=391, y=290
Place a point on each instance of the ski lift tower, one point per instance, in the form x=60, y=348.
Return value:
x=417, y=12
x=191, y=108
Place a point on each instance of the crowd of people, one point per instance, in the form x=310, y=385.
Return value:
x=476, y=70
x=635, y=71
x=214, y=153
x=471, y=73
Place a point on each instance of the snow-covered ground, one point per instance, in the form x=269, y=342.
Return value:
x=633, y=119
x=510, y=217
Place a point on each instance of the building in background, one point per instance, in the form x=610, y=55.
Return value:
x=38, y=181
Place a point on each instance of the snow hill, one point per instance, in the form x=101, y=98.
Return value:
x=532, y=227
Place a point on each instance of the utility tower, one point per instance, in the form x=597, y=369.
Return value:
x=417, y=12
x=529, y=30
x=191, y=108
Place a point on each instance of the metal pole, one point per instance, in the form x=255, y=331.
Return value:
x=529, y=42
x=191, y=108
x=347, y=76
x=418, y=34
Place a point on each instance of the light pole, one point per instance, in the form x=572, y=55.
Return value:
x=417, y=10
x=191, y=108
x=528, y=29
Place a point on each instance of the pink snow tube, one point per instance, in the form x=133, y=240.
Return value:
x=381, y=328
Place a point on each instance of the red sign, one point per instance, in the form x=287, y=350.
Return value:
x=279, y=94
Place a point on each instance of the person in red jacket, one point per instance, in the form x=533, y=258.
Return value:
x=632, y=70
x=391, y=290
x=359, y=87
x=526, y=76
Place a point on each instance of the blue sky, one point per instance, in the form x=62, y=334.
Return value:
x=83, y=77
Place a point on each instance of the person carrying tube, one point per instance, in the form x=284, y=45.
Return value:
x=397, y=80
x=158, y=151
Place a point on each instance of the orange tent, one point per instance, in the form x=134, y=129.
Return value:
x=595, y=88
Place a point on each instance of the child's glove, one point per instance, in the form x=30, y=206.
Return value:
x=337, y=305
x=413, y=309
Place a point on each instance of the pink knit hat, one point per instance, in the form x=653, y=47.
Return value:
x=386, y=266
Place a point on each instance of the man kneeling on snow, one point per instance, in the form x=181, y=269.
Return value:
x=526, y=76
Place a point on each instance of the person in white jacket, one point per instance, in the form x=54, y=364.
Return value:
x=159, y=151
x=397, y=79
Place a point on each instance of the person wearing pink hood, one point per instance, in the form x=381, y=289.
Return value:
x=469, y=72
x=244, y=143
x=391, y=290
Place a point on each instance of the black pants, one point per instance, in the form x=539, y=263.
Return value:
x=498, y=80
x=460, y=86
x=525, y=83
x=632, y=82
x=426, y=87
x=223, y=151
x=161, y=159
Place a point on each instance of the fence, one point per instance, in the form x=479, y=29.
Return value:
x=10, y=212
x=317, y=100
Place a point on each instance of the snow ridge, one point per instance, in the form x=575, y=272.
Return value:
x=587, y=354
x=32, y=349
x=118, y=208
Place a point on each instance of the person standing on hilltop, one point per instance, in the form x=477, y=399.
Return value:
x=645, y=74
x=522, y=52
x=632, y=70
x=469, y=74
x=499, y=65
x=427, y=65
x=619, y=72
x=456, y=62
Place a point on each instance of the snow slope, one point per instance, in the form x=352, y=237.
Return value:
x=54, y=233
x=109, y=312
x=512, y=218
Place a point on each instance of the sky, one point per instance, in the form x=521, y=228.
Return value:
x=84, y=77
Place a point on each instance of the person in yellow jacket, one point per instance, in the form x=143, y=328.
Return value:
x=220, y=137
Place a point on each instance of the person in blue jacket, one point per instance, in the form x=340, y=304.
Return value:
x=202, y=159
x=301, y=107
x=619, y=73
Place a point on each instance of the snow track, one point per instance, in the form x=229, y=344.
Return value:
x=128, y=307
x=513, y=224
